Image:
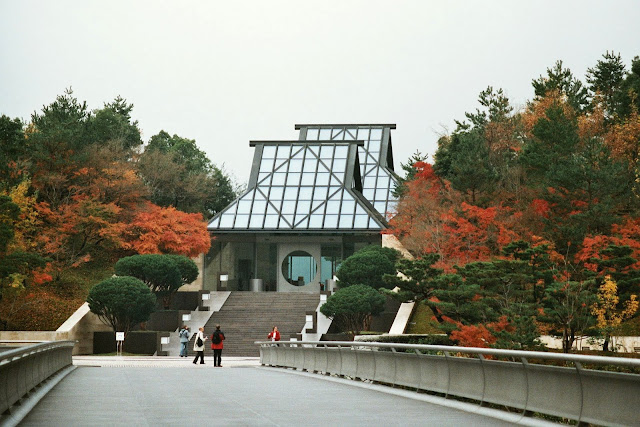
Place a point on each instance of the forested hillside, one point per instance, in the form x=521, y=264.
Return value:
x=79, y=190
x=522, y=214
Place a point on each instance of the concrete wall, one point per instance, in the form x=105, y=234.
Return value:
x=620, y=344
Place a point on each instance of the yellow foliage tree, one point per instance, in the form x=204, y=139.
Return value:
x=608, y=313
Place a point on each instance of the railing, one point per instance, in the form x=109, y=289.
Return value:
x=584, y=395
x=23, y=369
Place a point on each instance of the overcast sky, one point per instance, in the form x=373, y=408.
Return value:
x=227, y=72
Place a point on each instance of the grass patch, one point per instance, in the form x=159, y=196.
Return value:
x=422, y=321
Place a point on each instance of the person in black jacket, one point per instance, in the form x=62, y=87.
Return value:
x=216, y=345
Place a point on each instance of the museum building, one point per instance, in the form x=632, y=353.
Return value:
x=310, y=204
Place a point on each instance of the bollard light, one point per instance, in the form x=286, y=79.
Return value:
x=186, y=317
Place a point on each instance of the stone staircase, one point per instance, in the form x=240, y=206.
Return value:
x=247, y=317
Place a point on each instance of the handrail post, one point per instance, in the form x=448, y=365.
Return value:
x=579, y=368
x=446, y=357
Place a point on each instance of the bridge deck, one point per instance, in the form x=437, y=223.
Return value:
x=249, y=395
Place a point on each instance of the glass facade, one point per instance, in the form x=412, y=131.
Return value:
x=310, y=204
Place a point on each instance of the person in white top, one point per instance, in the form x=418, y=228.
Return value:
x=198, y=346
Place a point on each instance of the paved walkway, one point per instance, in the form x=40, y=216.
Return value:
x=173, y=391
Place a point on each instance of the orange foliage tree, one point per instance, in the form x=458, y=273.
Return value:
x=167, y=230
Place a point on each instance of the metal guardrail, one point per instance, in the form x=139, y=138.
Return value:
x=24, y=369
x=584, y=395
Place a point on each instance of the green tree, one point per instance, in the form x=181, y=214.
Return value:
x=159, y=272
x=409, y=172
x=353, y=307
x=113, y=123
x=366, y=267
x=605, y=83
x=121, y=302
x=566, y=310
x=12, y=150
x=186, y=266
x=180, y=175
x=464, y=160
x=630, y=90
x=561, y=79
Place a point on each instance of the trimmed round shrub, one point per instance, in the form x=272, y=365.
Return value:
x=365, y=267
x=121, y=302
x=352, y=307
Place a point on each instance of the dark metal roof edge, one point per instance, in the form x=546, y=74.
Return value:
x=298, y=231
x=358, y=142
x=325, y=125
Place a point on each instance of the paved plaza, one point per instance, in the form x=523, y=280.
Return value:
x=148, y=391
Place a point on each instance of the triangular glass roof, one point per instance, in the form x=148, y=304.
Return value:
x=302, y=186
x=376, y=158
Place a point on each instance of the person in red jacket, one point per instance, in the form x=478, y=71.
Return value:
x=274, y=335
x=216, y=345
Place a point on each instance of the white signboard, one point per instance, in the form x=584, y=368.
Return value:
x=119, y=336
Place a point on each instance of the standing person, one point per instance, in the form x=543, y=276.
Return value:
x=274, y=335
x=184, y=340
x=217, y=346
x=198, y=346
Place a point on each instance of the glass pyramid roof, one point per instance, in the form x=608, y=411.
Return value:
x=376, y=158
x=313, y=185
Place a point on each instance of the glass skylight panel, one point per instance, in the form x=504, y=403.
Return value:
x=305, y=193
x=312, y=134
x=244, y=206
x=330, y=221
x=279, y=178
x=260, y=195
x=242, y=221
x=288, y=207
x=269, y=152
x=256, y=221
x=376, y=134
x=271, y=221
x=368, y=193
x=259, y=206
x=276, y=193
x=325, y=134
x=320, y=193
x=308, y=178
x=288, y=219
x=337, y=134
x=303, y=223
x=290, y=193
x=363, y=134
x=266, y=165
x=348, y=206
x=226, y=220
x=326, y=152
x=346, y=221
x=339, y=165
x=335, y=180
x=333, y=206
x=295, y=165
x=350, y=134
x=263, y=178
x=322, y=179
x=304, y=207
x=361, y=221
x=342, y=151
x=284, y=152
x=310, y=165
x=293, y=178
x=316, y=204
x=215, y=223
x=315, y=221
x=380, y=206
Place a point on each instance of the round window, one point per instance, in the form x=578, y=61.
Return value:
x=299, y=268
